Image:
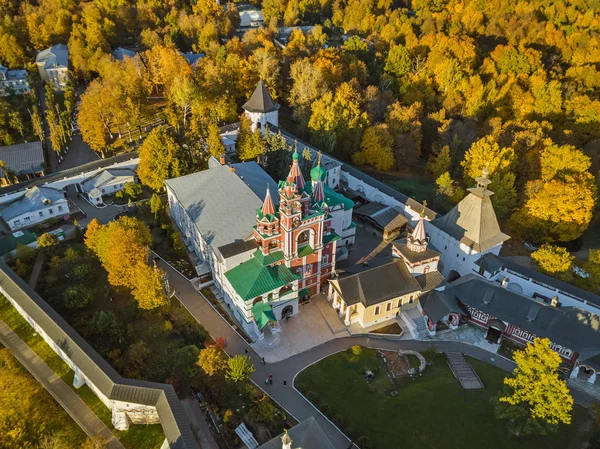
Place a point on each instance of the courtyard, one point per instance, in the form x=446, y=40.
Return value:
x=430, y=411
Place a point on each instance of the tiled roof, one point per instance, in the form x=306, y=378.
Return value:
x=438, y=304
x=305, y=250
x=103, y=177
x=23, y=157
x=251, y=279
x=429, y=281
x=11, y=241
x=331, y=237
x=388, y=279
x=332, y=198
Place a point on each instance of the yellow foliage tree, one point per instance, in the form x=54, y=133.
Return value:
x=159, y=159
x=122, y=247
x=376, y=148
x=536, y=385
x=212, y=360
x=553, y=259
x=487, y=153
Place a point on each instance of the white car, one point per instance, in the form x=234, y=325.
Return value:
x=530, y=247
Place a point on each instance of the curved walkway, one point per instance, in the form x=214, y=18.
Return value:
x=286, y=395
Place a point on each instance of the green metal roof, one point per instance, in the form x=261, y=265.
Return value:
x=305, y=250
x=263, y=313
x=10, y=242
x=331, y=237
x=251, y=279
x=332, y=198
x=269, y=259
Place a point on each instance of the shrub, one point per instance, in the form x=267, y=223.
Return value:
x=25, y=253
x=364, y=443
x=312, y=397
x=338, y=420
x=371, y=389
x=325, y=409
x=47, y=241
x=132, y=190
x=357, y=349
x=301, y=387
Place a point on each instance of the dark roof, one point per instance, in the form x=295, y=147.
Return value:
x=571, y=327
x=23, y=158
x=261, y=100
x=437, y=304
x=413, y=204
x=493, y=264
x=172, y=416
x=306, y=435
x=255, y=177
x=429, y=281
x=414, y=256
x=235, y=248
x=386, y=217
x=388, y=279
x=90, y=166
x=473, y=222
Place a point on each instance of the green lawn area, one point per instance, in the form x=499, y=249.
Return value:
x=431, y=412
x=138, y=436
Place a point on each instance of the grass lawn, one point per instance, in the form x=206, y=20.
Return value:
x=431, y=412
x=138, y=436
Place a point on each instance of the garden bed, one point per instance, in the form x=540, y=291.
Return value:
x=390, y=329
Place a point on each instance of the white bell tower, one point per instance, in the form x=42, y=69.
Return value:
x=261, y=108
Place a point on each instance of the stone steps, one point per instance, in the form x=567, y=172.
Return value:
x=463, y=371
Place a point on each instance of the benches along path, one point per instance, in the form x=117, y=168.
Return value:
x=287, y=397
x=60, y=391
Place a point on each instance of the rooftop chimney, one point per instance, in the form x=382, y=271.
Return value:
x=554, y=301
x=222, y=159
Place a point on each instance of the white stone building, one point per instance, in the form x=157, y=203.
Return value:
x=106, y=183
x=53, y=65
x=34, y=206
x=13, y=81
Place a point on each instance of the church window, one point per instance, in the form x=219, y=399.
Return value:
x=400, y=303
x=377, y=310
x=326, y=259
x=411, y=300
x=388, y=307
x=463, y=259
x=457, y=255
x=426, y=269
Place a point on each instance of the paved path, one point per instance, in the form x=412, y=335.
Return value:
x=37, y=269
x=60, y=391
x=290, y=399
x=463, y=371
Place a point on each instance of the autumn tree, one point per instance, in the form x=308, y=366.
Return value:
x=160, y=159
x=47, y=240
x=405, y=127
x=376, y=148
x=213, y=140
x=239, y=368
x=122, y=247
x=536, y=399
x=337, y=120
x=212, y=360
x=250, y=145
x=439, y=162
x=553, y=259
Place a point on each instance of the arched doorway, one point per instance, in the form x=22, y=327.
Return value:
x=287, y=311
x=494, y=332
x=453, y=275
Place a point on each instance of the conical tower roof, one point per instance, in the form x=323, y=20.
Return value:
x=268, y=208
x=473, y=221
x=295, y=174
x=261, y=100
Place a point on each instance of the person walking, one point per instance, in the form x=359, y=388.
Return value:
x=246, y=351
x=271, y=379
x=284, y=382
x=262, y=360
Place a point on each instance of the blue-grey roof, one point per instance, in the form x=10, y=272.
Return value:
x=255, y=177
x=34, y=199
x=103, y=177
x=23, y=157
x=222, y=205
x=55, y=56
x=121, y=53
x=192, y=58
